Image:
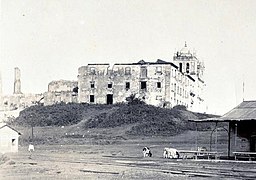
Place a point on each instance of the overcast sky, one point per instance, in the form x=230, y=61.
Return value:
x=50, y=39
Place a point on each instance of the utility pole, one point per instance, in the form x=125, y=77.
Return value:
x=32, y=127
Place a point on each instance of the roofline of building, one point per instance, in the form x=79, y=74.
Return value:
x=191, y=78
x=149, y=63
x=10, y=128
x=200, y=80
x=93, y=64
x=220, y=120
x=225, y=119
x=62, y=80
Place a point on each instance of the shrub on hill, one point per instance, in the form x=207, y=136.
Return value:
x=180, y=107
x=55, y=115
x=147, y=120
x=142, y=119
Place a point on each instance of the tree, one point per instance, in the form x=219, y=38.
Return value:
x=132, y=99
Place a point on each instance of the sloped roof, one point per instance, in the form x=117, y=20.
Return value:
x=4, y=124
x=160, y=61
x=142, y=62
x=244, y=111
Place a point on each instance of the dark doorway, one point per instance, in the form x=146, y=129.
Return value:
x=253, y=143
x=109, y=98
x=143, y=85
x=91, y=98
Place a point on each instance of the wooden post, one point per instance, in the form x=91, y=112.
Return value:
x=216, y=137
x=235, y=136
x=32, y=134
x=196, y=138
x=229, y=139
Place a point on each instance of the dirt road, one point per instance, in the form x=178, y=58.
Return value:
x=120, y=161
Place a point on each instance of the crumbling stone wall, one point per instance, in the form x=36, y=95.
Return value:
x=164, y=85
x=61, y=91
x=20, y=101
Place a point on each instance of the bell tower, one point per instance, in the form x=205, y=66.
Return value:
x=188, y=63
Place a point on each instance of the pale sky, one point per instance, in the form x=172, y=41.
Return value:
x=50, y=39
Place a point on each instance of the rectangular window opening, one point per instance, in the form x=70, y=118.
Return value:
x=92, y=71
x=109, y=85
x=143, y=72
x=127, y=85
x=158, y=84
x=13, y=142
x=127, y=71
x=159, y=69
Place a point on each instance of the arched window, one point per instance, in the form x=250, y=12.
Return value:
x=187, y=68
x=180, y=67
x=127, y=71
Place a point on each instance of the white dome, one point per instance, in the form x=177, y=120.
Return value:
x=185, y=50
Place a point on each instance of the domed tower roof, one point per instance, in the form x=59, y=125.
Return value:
x=185, y=50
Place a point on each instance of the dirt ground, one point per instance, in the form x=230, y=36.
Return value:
x=122, y=160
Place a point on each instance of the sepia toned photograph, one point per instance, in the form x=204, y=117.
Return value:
x=127, y=89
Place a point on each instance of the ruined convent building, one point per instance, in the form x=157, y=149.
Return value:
x=160, y=83
x=18, y=100
x=61, y=91
x=12, y=104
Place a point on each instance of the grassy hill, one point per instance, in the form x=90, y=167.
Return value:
x=133, y=119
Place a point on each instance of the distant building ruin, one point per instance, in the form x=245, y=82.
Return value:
x=17, y=82
x=10, y=105
x=160, y=83
x=61, y=91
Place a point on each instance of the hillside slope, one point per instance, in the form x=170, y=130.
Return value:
x=140, y=119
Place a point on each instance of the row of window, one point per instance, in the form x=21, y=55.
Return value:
x=180, y=91
x=110, y=100
x=110, y=85
x=187, y=67
x=143, y=85
x=128, y=70
x=143, y=73
x=177, y=102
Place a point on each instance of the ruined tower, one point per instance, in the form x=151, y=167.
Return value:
x=17, y=83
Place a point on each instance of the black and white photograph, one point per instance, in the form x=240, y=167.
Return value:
x=127, y=89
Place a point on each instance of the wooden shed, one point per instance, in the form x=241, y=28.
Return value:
x=242, y=127
x=9, y=139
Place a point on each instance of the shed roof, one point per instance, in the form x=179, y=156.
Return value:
x=2, y=125
x=244, y=111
